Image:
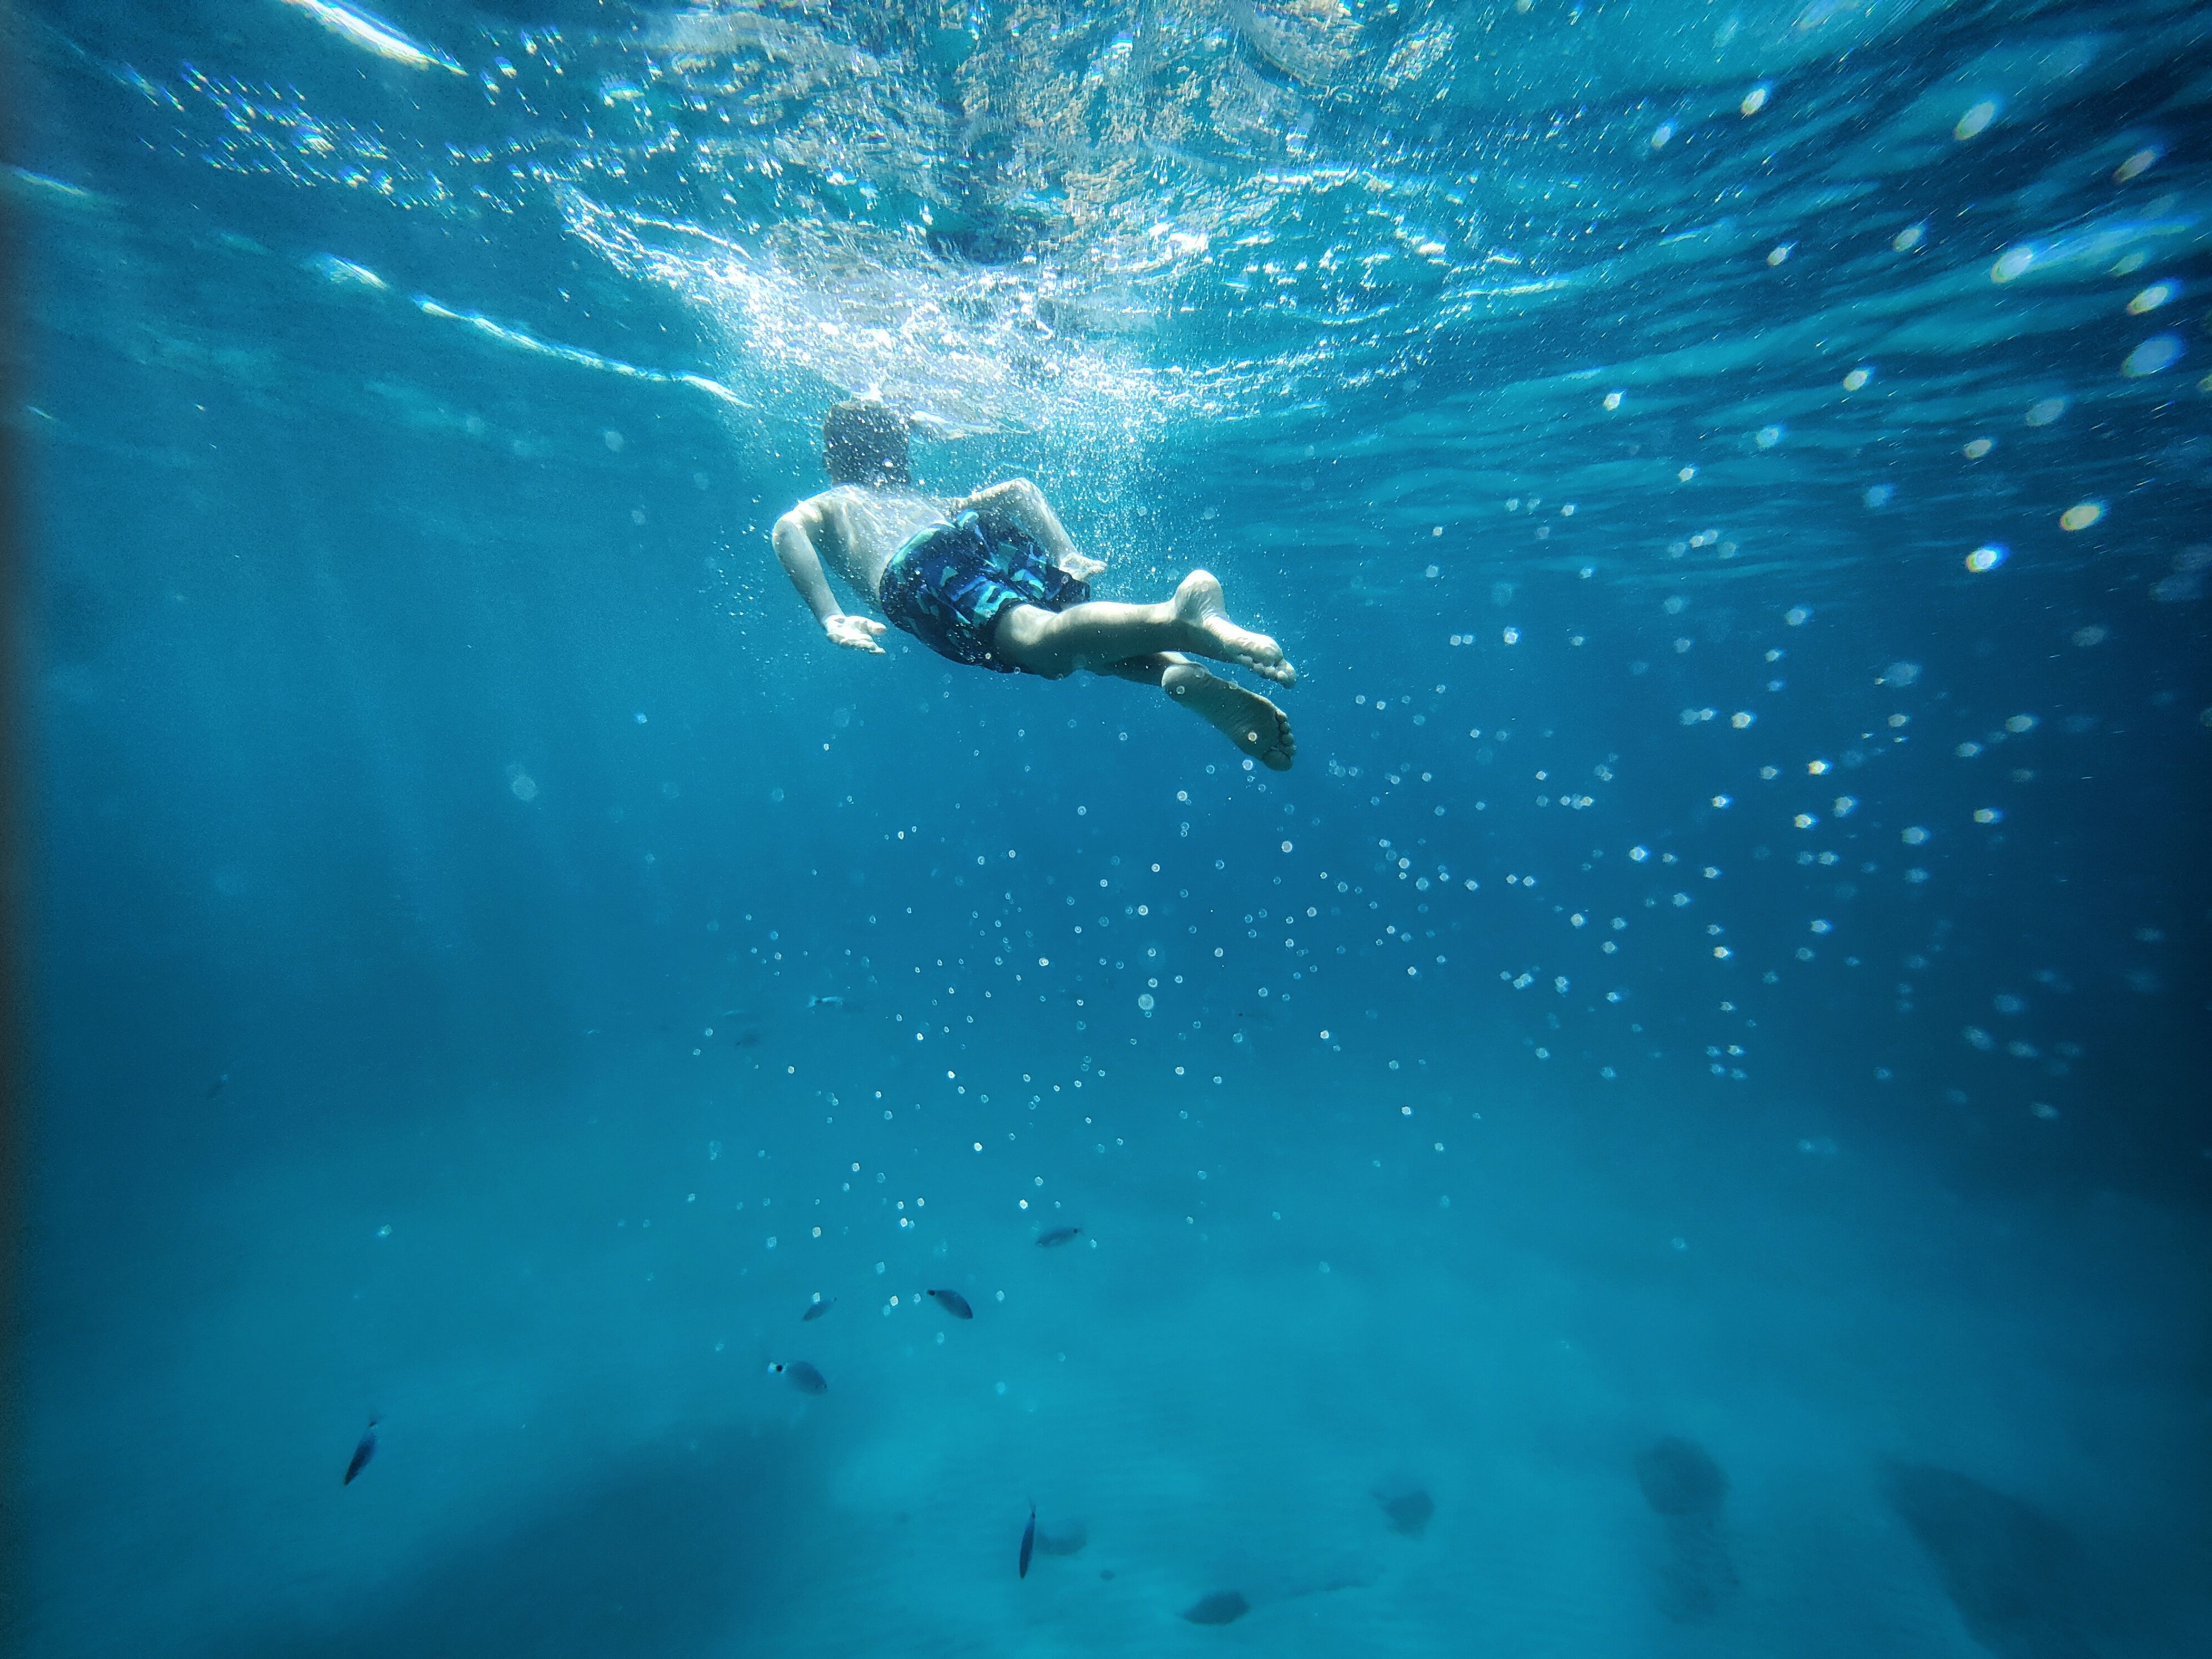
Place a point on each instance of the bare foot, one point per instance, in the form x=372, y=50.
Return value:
x=1250, y=721
x=1198, y=605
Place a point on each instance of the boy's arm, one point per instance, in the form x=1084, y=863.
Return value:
x=795, y=550
x=1021, y=504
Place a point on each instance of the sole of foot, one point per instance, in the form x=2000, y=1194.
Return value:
x=1199, y=605
x=1245, y=717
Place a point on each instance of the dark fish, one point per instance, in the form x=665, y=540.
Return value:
x=1056, y=1237
x=816, y=1309
x=954, y=1303
x=218, y=1085
x=1222, y=1608
x=803, y=1377
x=1029, y=1542
x=361, y=1453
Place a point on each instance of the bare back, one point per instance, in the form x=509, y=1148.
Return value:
x=856, y=530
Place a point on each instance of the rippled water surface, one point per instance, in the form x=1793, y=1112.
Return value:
x=1678, y=1126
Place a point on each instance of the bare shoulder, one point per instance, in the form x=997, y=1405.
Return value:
x=816, y=509
x=823, y=518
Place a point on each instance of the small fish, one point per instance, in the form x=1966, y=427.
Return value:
x=816, y=1309
x=361, y=1453
x=218, y=1085
x=803, y=1377
x=1029, y=1542
x=954, y=1303
x=825, y=1002
x=1056, y=1237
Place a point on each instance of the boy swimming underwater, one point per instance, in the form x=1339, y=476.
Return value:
x=992, y=580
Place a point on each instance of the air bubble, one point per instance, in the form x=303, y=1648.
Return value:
x=2160, y=351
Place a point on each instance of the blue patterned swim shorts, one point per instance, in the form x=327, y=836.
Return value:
x=947, y=586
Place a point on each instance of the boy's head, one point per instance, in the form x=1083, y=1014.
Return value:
x=863, y=442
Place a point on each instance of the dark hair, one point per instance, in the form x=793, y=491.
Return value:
x=863, y=442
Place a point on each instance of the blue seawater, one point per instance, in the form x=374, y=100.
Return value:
x=1680, y=1127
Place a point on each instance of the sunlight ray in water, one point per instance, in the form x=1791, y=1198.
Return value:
x=380, y=37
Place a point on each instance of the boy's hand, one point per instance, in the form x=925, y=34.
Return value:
x=855, y=633
x=1077, y=566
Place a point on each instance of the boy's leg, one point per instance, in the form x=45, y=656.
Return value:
x=1098, y=633
x=1247, y=718
x=1022, y=504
